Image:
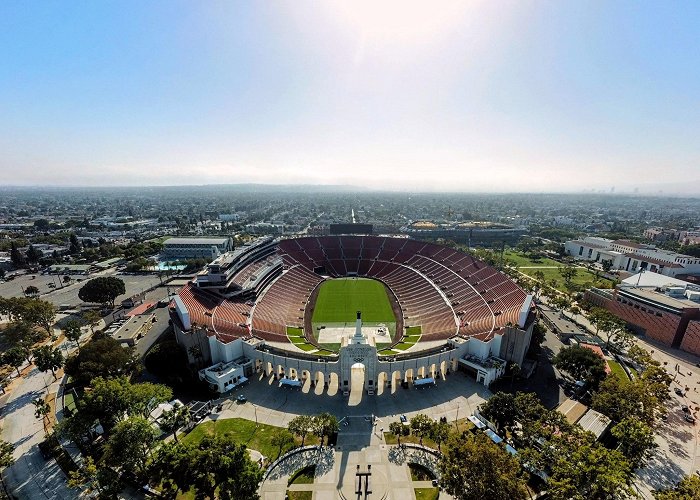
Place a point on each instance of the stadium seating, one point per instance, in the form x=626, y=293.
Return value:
x=445, y=291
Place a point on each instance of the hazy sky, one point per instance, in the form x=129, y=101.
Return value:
x=473, y=96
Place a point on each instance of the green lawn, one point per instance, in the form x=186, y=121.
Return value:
x=550, y=269
x=616, y=369
x=299, y=495
x=425, y=493
x=303, y=476
x=413, y=330
x=523, y=260
x=420, y=473
x=339, y=300
x=244, y=432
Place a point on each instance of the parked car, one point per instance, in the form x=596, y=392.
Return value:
x=678, y=391
x=241, y=399
x=685, y=409
x=689, y=418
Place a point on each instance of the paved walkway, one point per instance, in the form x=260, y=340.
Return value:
x=31, y=476
x=360, y=448
x=455, y=398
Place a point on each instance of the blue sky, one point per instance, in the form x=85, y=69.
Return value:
x=466, y=96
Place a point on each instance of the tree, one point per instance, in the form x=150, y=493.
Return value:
x=421, y=426
x=399, y=430
x=74, y=244
x=217, y=465
x=129, y=446
x=590, y=470
x=72, y=332
x=33, y=255
x=439, y=433
x=22, y=333
x=581, y=363
x=110, y=401
x=101, y=357
x=42, y=410
x=607, y=265
x=615, y=329
x=6, y=451
x=31, y=291
x=539, y=276
x=500, y=409
x=92, y=318
x=568, y=273
x=514, y=372
x=103, y=480
x=16, y=256
x=326, y=425
x=15, y=357
x=282, y=439
x=176, y=466
x=175, y=418
x=642, y=399
x=636, y=440
x=103, y=290
x=301, y=426
x=47, y=358
x=474, y=468
x=41, y=313
x=687, y=489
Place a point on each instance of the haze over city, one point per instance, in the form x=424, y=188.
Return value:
x=454, y=96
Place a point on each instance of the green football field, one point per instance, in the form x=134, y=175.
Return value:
x=339, y=300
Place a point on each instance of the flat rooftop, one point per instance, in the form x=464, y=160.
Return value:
x=652, y=297
x=195, y=241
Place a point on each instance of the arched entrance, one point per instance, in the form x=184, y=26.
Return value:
x=333, y=384
x=357, y=383
x=306, y=381
x=395, y=381
x=319, y=383
x=382, y=383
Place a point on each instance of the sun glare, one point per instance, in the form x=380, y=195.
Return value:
x=393, y=21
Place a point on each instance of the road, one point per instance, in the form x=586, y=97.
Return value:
x=31, y=476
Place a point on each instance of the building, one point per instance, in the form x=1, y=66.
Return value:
x=474, y=234
x=632, y=257
x=224, y=376
x=473, y=318
x=590, y=420
x=664, y=309
x=195, y=248
x=134, y=329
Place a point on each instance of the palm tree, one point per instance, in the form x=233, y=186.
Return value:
x=42, y=409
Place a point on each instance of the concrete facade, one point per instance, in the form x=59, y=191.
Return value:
x=484, y=360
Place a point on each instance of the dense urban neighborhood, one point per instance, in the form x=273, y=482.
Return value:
x=151, y=354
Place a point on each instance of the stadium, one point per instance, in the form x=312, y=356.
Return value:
x=291, y=308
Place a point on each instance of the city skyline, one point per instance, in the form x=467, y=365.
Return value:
x=472, y=97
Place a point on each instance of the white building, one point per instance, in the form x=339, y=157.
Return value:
x=195, y=248
x=632, y=257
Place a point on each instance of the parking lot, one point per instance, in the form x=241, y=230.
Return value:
x=67, y=294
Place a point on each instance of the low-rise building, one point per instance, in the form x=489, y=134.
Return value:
x=195, y=248
x=664, y=309
x=134, y=329
x=632, y=257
